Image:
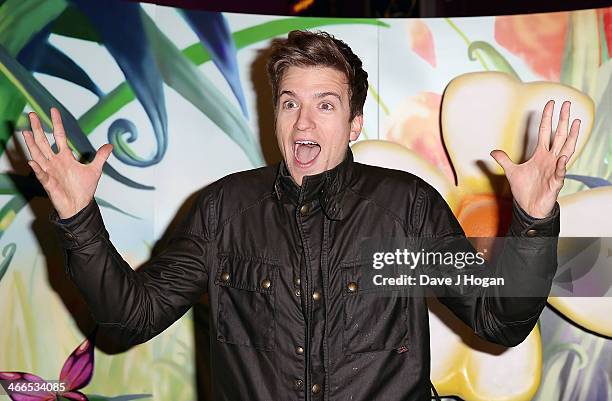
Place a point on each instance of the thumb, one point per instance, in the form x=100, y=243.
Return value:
x=560, y=170
x=102, y=155
x=501, y=158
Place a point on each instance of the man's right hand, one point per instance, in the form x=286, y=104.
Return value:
x=70, y=184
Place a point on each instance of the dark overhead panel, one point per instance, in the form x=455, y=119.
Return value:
x=386, y=8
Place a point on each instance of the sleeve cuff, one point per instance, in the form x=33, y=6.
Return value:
x=524, y=225
x=79, y=229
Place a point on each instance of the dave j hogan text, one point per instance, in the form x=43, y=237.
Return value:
x=426, y=280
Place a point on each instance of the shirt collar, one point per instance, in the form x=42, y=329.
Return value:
x=328, y=187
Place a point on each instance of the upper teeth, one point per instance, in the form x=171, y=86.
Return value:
x=306, y=142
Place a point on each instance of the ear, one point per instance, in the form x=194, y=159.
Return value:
x=356, y=126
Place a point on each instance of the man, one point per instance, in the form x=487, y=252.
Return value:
x=278, y=249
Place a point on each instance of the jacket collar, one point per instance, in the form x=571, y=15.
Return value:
x=328, y=187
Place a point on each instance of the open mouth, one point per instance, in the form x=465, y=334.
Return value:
x=305, y=152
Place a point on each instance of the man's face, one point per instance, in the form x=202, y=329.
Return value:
x=312, y=120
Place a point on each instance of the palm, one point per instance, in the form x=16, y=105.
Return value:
x=536, y=183
x=70, y=184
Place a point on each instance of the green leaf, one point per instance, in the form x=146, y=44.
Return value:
x=7, y=252
x=270, y=29
x=9, y=211
x=109, y=205
x=11, y=105
x=495, y=57
x=182, y=75
x=20, y=20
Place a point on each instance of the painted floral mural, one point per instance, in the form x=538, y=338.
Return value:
x=182, y=96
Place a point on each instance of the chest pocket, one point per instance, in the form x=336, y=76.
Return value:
x=375, y=317
x=246, y=301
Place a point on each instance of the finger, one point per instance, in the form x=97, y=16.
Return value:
x=560, y=170
x=58, y=130
x=561, y=132
x=102, y=155
x=570, y=144
x=502, y=159
x=546, y=125
x=35, y=152
x=39, y=136
x=40, y=174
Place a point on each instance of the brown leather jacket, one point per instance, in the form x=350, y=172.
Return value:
x=290, y=317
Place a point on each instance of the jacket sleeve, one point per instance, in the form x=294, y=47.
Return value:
x=504, y=314
x=137, y=305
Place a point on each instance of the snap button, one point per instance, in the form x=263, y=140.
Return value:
x=531, y=232
x=298, y=293
x=316, y=295
x=305, y=209
x=225, y=276
x=266, y=283
x=299, y=350
x=316, y=388
x=352, y=287
x=297, y=281
x=68, y=236
x=299, y=384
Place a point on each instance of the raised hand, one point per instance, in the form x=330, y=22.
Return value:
x=536, y=183
x=70, y=184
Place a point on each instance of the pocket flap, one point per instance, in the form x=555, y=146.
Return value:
x=247, y=273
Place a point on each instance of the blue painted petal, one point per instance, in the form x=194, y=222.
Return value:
x=591, y=182
x=55, y=63
x=31, y=55
x=186, y=79
x=120, y=26
x=41, y=101
x=214, y=33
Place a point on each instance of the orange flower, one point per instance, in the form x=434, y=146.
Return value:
x=539, y=39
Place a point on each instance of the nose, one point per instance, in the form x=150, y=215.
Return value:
x=304, y=120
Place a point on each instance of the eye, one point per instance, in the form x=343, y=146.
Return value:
x=326, y=106
x=289, y=104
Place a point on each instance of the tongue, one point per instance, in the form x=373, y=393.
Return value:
x=306, y=153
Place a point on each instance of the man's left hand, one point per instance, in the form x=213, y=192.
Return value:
x=536, y=183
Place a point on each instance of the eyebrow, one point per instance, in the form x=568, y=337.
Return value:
x=324, y=94
x=317, y=95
